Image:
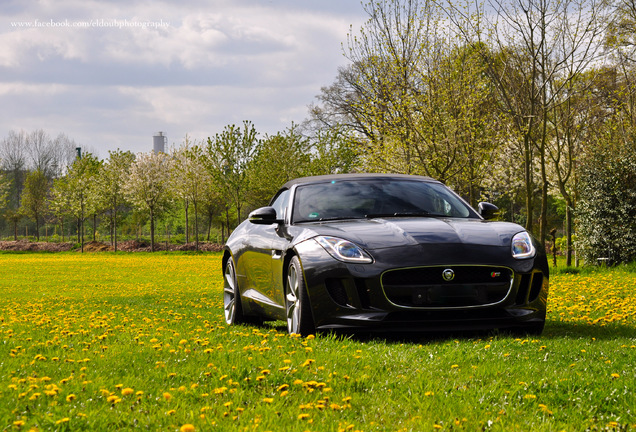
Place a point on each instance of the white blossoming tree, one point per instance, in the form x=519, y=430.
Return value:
x=190, y=181
x=110, y=184
x=148, y=186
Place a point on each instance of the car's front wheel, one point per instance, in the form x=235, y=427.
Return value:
x=231, y=296
x=299, y=316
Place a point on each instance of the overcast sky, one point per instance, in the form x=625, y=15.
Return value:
x=110, y=74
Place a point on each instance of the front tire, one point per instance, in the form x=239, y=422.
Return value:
x=299, y=316
x=231, y=297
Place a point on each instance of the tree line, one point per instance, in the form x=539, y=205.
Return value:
x=511, y=101
x=208, y=184
x=530, y=104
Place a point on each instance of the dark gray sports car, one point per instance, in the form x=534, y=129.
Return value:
x=382, y=252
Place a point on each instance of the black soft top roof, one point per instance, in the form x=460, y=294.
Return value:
x=365, y=176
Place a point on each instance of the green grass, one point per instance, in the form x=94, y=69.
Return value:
x=78, y=331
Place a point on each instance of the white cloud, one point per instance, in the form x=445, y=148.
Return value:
x=216, y=63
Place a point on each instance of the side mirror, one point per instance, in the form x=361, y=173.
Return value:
x=264, y=216
x=487, y=210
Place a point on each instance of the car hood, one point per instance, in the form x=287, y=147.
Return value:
x=381, y=233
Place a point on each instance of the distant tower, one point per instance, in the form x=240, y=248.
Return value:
x=159, y=142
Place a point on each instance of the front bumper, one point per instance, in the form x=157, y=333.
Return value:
x=356, y=297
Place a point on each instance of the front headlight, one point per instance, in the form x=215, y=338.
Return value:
x=522, y=246
x=344, y=250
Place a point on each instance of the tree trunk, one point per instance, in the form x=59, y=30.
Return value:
x=152, y=230
x=196, y=227
x=209, y=225
x=115, y=226
x=187, y=224
x=527, y=165
x=568, y=232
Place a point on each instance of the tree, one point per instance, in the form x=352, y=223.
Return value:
x=533, y=49
x=60, y=202
x=41, y=151
x=34, y=198
x=190, y=178
x=417, y=98
x=607, y=207
x=278, y=159
x=80, y=182
x=13, y=156
x=148, y=186
x=228, y=158
x=333, y=150
x=109, y=188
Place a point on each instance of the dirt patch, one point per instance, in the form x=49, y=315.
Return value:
x=23, y=245
x=95, y=246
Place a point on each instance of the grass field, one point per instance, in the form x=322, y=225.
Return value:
x=123, y=341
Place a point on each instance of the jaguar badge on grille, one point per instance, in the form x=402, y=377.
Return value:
x=448, y=275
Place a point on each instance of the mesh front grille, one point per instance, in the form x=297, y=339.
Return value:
x=443, y=287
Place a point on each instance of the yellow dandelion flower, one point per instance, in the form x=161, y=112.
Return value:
x=187, y=428
x=171, y=412
x=127, y=391
x=70, y=397
x=167, y=396
x=615, y=375
x=63, y=420
x=303, y=416
x=268, y=400
x=529, y=396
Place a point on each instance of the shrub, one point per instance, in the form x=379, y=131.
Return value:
x=607, y=208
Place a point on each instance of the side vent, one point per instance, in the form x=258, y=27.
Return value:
x=363, y=293
x=337, y=291
x=537, y=284
x=522, y=291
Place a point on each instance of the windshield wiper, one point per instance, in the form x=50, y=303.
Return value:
x=422, y=213
x=327, y=219
x=338, y=218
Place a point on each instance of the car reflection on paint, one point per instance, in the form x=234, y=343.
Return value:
x=382, y=252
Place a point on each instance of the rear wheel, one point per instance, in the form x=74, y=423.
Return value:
x=299, y=316
x=231, y=296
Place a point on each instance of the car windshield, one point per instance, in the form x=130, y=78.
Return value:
x=354, y=199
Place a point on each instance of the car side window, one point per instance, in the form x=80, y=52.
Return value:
x=280, y=204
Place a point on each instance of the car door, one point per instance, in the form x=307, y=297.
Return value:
x=280, y=242
x=263, y=265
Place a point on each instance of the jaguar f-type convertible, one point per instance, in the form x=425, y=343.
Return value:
x=382, y=252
